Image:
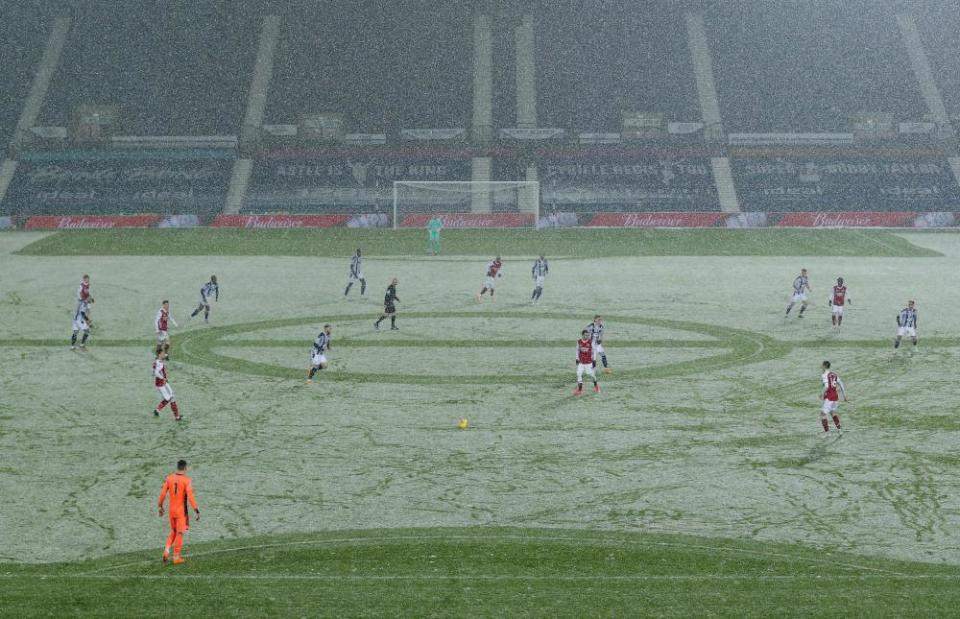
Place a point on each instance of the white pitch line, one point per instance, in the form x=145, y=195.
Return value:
x=581, y=541
x=882, y=244
x=481, y=577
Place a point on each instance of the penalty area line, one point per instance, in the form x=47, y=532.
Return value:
x=519, y=538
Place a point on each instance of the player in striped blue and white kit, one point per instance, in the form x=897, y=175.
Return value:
x=801, y=286
x=81, y=322
x=318, y=360
x=595, y=329
x=906, y=324
x=540, y=270
x=356, y=274
x=210, y=290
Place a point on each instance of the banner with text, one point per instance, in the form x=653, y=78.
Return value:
x=280, y=221
x=807, y=184
x=654, y=184
x=76, y=222
x=655, y=220
x=342, y=182
x=470, y=220
x=118, y=186
x=764, y=220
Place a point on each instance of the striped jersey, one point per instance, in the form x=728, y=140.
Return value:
x=540, y=267
x=800, y=284
x=907, y=317
x=82, y=309
x=596, y=332
x=355, y=266
x=210, y=289
x=321, y=343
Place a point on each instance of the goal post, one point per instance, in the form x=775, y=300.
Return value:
x=466, y=204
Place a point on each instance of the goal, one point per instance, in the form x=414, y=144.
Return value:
x=466, y=204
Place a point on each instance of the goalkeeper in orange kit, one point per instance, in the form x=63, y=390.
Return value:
x=180, y=489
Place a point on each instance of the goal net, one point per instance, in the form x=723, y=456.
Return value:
x=466, y=204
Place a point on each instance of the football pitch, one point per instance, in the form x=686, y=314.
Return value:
x=697, y=483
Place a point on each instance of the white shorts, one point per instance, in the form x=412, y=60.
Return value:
x=318, y=359
x=597, y=349
x=205, y=301
x=538, y=281
x=162, y=337
x=351, y=278
x=490, y=283
x=166, y=392
x=798, y=297
x=80, y=325
x=829, y=406
x=837, y=310
x=911, y=331
x=585, y=367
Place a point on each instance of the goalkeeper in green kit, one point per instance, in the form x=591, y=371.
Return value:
x=434, y=226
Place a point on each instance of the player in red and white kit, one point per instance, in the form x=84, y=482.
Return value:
x=163, y=386
x=830, y=394
x=493, y=272
x=838, y=299
x=162, y=323
x=585, y=362
x=83, y=292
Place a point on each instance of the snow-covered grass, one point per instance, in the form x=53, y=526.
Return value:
x=708, y=425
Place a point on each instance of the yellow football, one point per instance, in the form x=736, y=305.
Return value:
x=463, y=424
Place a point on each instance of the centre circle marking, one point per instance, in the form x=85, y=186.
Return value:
x=738, y=347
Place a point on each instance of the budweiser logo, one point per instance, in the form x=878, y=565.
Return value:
x=840, y=219
x=280, y=221
x=69, y=222
x=845, y=219
x=272, y=222
x=656, y=220
x=472, y=220
x=83, y=222
x=640, y=220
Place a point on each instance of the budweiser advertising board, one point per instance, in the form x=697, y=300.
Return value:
x=846, y=219
x=655, y=220
x=66, y=222
x=470, y=220
x=280, y=221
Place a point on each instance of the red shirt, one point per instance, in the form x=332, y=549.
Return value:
x=162, y=318
x=839, y=294
x=159, y=373
x=84, y=292
x=830, y=381
x=493, y=268
x=585, y=351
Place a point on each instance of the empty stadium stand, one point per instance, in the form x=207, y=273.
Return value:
x=807, y=66
x=788, y=69
x=170, y=72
